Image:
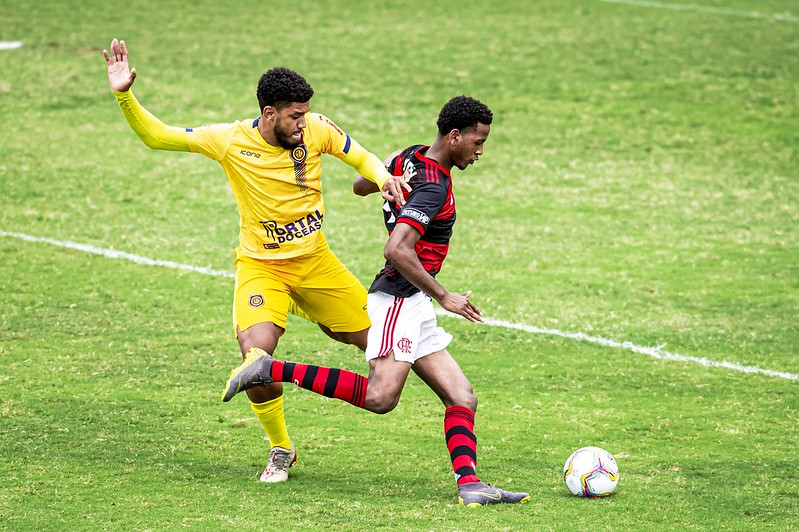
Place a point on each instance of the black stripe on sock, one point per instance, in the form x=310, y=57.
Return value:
x=461, y=430
x=332, y=381
x=288, y=372
x=310, y=375
x=461, y=450
x=465, y=471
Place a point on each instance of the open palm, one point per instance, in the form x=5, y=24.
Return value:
x=120, y=75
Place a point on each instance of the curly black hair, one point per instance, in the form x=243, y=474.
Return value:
x=463, y=112
x=281, y=86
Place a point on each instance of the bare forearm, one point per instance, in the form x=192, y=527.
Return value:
x=363, y=187
x=407, y=263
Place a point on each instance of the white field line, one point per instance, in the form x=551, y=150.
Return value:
x=785, y=17
x=654, y=352
x=114, y=254
x=9, y=45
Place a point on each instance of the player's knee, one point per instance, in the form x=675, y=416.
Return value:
x=381, y=404
x=261, y=335
x=464, y=397
x=473, y=402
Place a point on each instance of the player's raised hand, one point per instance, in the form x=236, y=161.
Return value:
x=393, y=189
x=120, y=75
x=460, y=304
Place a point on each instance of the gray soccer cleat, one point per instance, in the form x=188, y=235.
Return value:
x=476, y=494
x=254, y=371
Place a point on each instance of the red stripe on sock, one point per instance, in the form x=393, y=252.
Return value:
x=276, y=371
x=320, y=380
x=351, y=388
x=298, y=374
x=458, y=440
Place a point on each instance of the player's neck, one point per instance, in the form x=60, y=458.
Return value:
x=267, y=134
x=438, y=152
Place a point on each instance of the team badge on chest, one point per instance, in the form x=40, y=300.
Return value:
x=298, y=154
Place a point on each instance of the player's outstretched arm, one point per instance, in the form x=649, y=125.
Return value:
x=120, y=75
x=154, y=133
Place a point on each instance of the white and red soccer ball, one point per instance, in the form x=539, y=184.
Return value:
x=591, y=472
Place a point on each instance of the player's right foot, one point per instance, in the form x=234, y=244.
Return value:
x=476, y=494
x=280, y=460
x=254, y=371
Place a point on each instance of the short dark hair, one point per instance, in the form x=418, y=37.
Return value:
x=463, y=112
x=281, y=86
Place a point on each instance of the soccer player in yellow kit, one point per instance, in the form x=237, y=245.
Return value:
x=273, y=164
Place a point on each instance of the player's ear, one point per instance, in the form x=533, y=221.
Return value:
x=454, y=136
x=269, y=113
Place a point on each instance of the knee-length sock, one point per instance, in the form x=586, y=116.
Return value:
x=272, y=419
x=461, y=443
x=330, y=382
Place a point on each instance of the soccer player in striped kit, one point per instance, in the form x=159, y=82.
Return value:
x=404, y=334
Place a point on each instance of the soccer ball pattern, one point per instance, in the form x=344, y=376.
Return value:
x=591, y=472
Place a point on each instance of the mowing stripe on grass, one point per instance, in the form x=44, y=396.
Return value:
x=654, y=352
x=785, y=17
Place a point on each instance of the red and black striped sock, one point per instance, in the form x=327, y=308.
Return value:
x=330, y=382
x=461, y=443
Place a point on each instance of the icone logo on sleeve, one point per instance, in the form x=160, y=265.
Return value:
x=330, y=122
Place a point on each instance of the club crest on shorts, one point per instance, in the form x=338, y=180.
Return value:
x=256, y=300
x=298, y=153
x=404, y=345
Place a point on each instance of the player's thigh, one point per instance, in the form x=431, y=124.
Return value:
x=387, y=378
x=441, y=372
x=261, y=295
x=332, y=296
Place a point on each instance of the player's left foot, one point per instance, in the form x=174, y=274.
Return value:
x=476, y=494
x=280, y=460
x=254, y=371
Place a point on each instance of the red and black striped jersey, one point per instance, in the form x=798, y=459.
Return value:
x=429, y=208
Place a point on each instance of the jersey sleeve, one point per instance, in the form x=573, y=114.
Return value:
x=394, y=166
x=154, y=133
x=337, y=143
x=211, y=140
x=422, y=206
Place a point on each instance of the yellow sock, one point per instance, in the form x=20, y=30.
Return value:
x=272, y=419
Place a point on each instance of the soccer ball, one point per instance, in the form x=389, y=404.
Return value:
x=591, y=472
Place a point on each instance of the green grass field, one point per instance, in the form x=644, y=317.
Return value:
x=641, y=185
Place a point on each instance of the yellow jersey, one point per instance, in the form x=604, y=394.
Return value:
x=278, y=191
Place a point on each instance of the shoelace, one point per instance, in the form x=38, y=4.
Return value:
x=279, y=458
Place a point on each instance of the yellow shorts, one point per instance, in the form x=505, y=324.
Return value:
x=317, y=282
